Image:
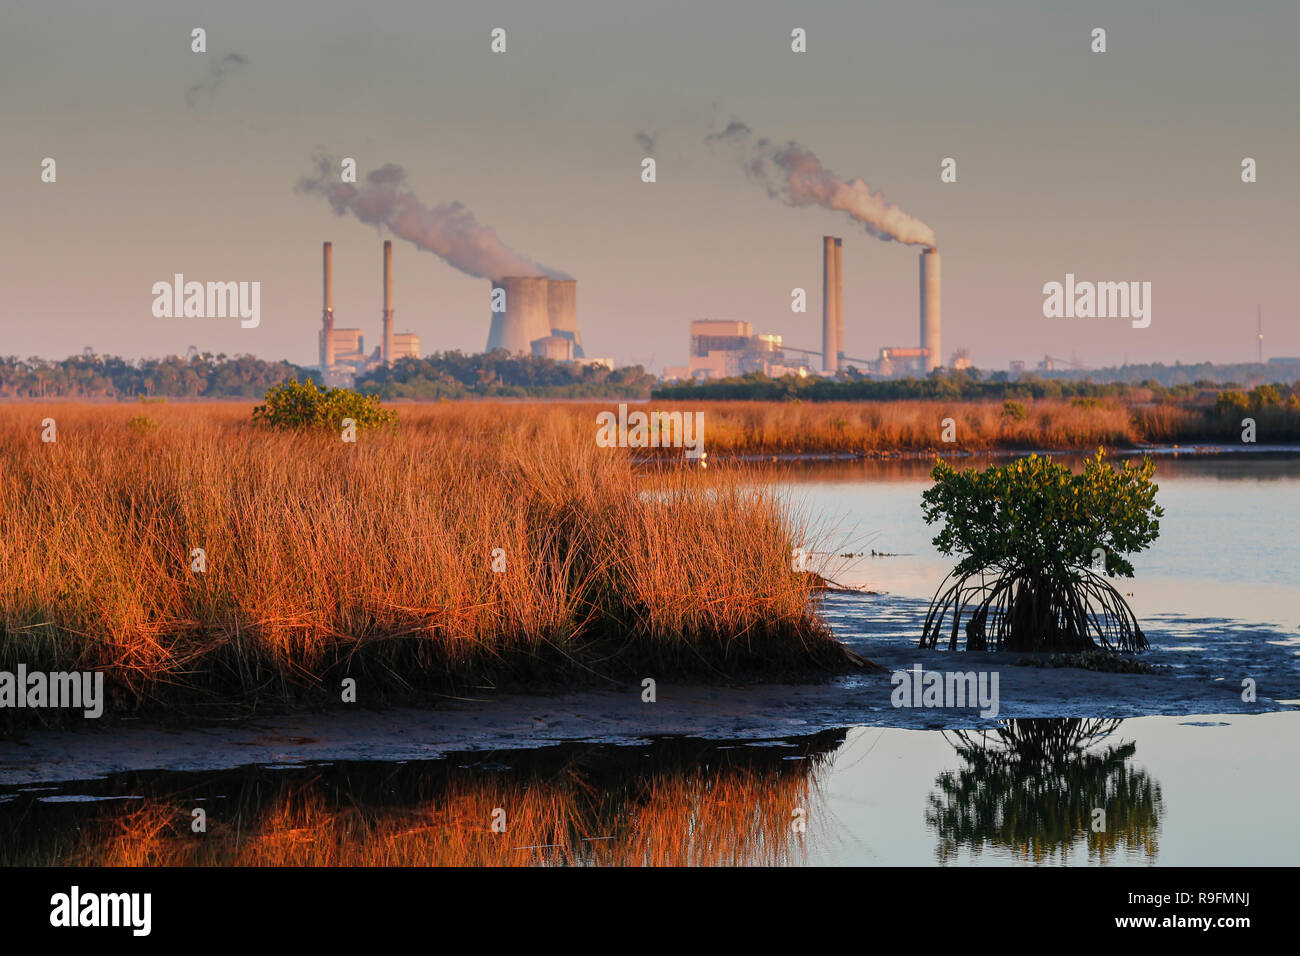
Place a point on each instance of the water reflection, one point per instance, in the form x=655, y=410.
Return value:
x=1030, y=787
x=675, y=802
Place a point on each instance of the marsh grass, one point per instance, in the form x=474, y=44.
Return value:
x=374, y=559
x=886, y=428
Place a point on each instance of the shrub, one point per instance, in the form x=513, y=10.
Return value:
x=296, y=404
x=1265, y=395
x=1030, y=531
x=1014, y=410
x=1231, y=403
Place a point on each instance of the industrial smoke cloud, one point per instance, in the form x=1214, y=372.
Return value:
x=448, y=230
x=793, y=174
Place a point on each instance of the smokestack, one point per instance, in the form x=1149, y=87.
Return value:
x=327, y=322
x=830, y=306
x=839, y=302
x=388, y=302
x=930, y=306
x=526, y=317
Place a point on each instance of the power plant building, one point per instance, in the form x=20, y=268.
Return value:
x=725, y=349
x=562, y=312
x=528, y=311
x=406, y=345
x=342, y=351
x=556, y=347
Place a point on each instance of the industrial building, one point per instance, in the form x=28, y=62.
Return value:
x=535, y=315
x=724, y=349
x=342, y=351
x=721, y=349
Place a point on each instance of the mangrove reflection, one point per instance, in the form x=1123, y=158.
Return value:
x=1030, y=787
x=674, y=802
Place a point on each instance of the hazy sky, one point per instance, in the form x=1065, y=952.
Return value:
x=1117, y=166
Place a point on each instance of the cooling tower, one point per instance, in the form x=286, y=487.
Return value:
x=830, y=306
x=930, y=306
x=526, y=317
x=839, y=302
x=562, y=309
x=327, y=321
x=388, y=302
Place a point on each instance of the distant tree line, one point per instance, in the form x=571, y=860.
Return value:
x=499, y=373
x=942, y=384
x=1201, y=374
x=200, y=375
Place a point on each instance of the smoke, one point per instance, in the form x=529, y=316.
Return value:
x=448, y=230
x=792, y=173
x=205, y=89
x=646, y=142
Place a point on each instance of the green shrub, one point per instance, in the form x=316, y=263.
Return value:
x=1037, y=541
x=1014, y=410
x=1231, y=403
x=296, y=404
x=1265, y=395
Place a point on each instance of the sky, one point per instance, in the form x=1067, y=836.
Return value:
x=1115, y=166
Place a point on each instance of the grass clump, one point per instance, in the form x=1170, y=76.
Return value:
x=376, y=560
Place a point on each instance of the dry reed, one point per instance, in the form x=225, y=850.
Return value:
x=375, y=559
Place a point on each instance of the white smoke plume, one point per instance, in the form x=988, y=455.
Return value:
x=793, y=174
x=448, y=230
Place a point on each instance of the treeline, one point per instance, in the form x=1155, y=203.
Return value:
x=499, y=373
x=1206, y=374
x=201, y=375
x=944, y=384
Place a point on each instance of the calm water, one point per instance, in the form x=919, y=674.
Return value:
x=1176, y=791
x=1229, y=542
x=1219, y=591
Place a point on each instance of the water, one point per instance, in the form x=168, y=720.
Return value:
x=1229, y=540
x=1217, y=594
x=1177, y=792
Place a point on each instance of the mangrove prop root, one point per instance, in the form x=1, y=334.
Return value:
x=1019, y=609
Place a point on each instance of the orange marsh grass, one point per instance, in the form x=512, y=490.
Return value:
x=374, y=559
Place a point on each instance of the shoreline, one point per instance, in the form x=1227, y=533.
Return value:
x=1204, y=450
x=741, y=712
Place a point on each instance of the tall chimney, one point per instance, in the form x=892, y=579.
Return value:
x=830, y=306
x=388, y=302
x=327, y=322
x=839, y=302
x=930, y=307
